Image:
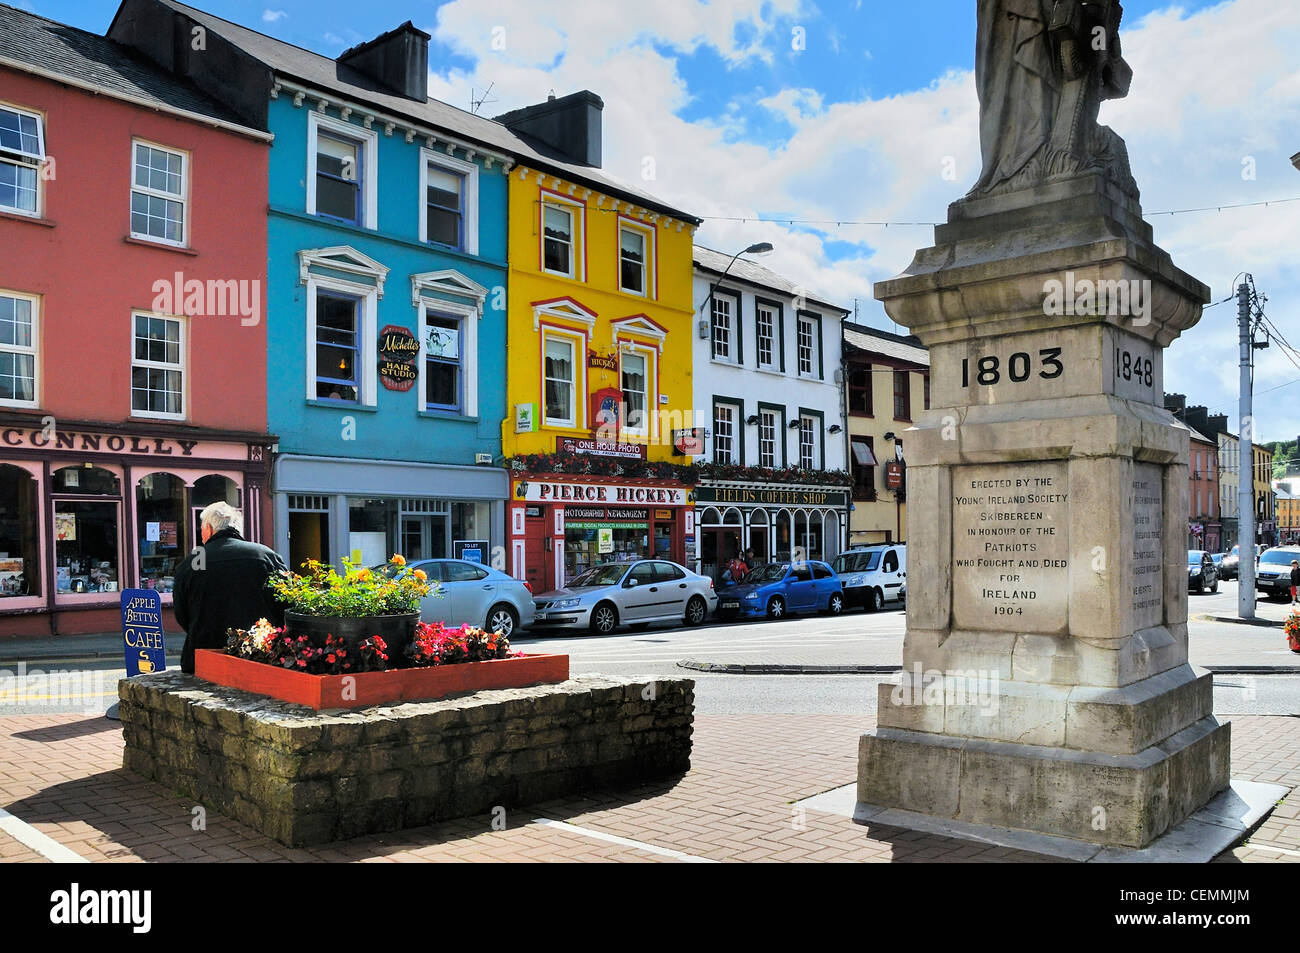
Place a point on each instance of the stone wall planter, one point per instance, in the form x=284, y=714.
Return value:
x=311, y=777
x=377, y=688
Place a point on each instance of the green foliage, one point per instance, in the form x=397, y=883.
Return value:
x=393, y=589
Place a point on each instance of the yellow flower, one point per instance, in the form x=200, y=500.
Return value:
x=398, y=560
x=364, y=574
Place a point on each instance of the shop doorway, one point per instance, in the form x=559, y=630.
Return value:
x=537, y=560
x=665, y=541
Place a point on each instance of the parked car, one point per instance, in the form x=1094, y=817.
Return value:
x=1274, y=573
x=873, y=575
x=1228, y=565
x=775, y=590
x=1201, y=574
x=474, y=594
x=637, y=594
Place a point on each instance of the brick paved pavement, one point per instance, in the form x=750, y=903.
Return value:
x=62, y=774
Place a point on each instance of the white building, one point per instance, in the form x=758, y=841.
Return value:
x=767, y=381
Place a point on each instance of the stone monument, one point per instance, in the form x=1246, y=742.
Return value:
x=1046, y=685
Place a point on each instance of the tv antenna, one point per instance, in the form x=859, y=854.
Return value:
x=476, y=104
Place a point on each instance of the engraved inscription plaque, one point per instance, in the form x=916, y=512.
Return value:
x=1148, y=566
x=1010, y=547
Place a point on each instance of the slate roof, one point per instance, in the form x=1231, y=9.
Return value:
x=322, y=72
x=29, y=40
x=755, y=274
x=904, y=347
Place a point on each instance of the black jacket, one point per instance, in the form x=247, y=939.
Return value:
x=226, y=591
x=1295, y=576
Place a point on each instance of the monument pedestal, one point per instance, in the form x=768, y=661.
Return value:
x=1046, y=684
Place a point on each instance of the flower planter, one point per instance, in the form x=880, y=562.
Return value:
x=396, y=630
x=378, y=688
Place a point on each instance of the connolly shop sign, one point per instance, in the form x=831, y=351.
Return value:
x=54, y=439
x=607, y=493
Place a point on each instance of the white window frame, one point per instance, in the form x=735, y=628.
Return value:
x=801, y=322
x=182, y=365
x=469, y=214
x=33, y=350
x=650, y=423
x=808, y=426
x=776, y=437
x=39, y=158
x=578, y=342
x=733, y=328
x=183, y=198
x=649, y=284
x=577, y=236
x=772, y=336
x=469, y=317
x=366, y=334
x=369, y=139
x=733, y=452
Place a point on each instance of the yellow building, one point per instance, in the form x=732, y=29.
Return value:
x=599, y=374
x=887, y=386
x=1265, y=517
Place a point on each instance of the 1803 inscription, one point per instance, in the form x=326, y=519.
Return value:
x=1010, y=524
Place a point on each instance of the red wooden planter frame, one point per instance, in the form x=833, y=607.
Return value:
x=378, y=688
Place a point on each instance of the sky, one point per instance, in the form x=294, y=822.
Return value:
x=818, y=113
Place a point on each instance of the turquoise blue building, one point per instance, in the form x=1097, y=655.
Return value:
x=386, y=297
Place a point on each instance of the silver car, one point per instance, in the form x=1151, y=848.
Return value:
x=637, y=594
x=469, y=592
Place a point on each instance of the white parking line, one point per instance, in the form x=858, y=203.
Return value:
x=624, y=841
x=43, y=844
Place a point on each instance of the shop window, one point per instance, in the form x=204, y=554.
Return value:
x=470, y=521
x=22, y=151
x=158, y=367
x=20, y=570
x=726, y=448
x=633, y=243
x=160, y=529
x=18, y=337
x=765, y=320
x=443, y=362
x=87, y=481
x=557, y=239
x=725, y=328
x=634, y=383
x=158, y=194
x=860, y=389
x=338, y=346
x=309, y=529
x=86, y=544
x=560, y=410
x=864, y=468
x=809, y=346
x=902, y=396
x=768, y=430
x=207, y=490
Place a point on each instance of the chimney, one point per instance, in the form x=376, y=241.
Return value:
x=397, y=60
x=569, y=125
x=1176, y=404
x=1218, y=423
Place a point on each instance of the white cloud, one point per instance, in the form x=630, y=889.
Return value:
x=1209, y=89
x=271, y=16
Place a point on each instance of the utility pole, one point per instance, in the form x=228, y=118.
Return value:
x=1245, y=468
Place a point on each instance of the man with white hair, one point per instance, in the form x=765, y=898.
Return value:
x=222, y=585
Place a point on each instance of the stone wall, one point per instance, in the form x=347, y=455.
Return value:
x=305, y=777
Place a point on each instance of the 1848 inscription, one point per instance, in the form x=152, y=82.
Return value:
x=1010, y=547
x=1148, y=563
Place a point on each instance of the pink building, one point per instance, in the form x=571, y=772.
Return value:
x=132, y=334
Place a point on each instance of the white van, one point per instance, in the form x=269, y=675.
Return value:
x=873, y=575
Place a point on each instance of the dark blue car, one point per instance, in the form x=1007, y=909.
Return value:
x=775, y=590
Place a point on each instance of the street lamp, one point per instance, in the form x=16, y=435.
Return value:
x=758, y=248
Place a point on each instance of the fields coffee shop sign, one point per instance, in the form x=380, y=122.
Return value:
x=398, y=353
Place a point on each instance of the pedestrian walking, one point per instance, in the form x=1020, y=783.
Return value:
x=223, y=584
x=1295, y=578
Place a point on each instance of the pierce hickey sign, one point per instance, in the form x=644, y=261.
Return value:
x=540, y=491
